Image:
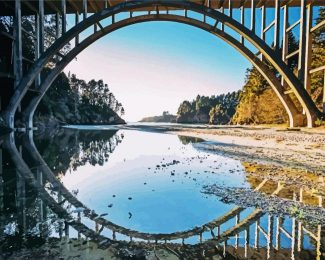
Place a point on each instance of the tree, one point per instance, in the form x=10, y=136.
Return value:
x=258, y=103
x=214, y=110
x=318, y=60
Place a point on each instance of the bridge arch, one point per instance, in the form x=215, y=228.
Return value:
x=296, y=118
x=38, y=163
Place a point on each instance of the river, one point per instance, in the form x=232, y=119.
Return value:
x=105, y=185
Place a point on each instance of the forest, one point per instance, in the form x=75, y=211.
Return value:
x=214, y=110
x=71, y=100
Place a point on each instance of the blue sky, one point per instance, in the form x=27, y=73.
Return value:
x=152, y=67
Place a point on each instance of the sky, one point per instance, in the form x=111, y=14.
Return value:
x=152, y=67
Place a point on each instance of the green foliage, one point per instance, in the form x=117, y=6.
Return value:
x=320, y=122
x=296, y=212
x=74, y=101
x=166, y=117
x=258, y=102
x=71, y=149
x=318, y=60
x=214, y=110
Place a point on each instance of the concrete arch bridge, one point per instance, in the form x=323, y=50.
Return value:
x=214, y=16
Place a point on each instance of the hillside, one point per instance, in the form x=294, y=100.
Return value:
x=73, y=101
x=258, y=103
x=164, y=118
x=214, y=110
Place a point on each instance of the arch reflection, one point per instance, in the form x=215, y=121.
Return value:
x=37, y=211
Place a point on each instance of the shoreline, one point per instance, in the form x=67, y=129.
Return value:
x=289, y=160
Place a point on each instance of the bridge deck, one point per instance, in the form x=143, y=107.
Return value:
x=29, y=7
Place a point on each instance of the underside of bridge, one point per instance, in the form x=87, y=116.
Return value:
x=25, y=80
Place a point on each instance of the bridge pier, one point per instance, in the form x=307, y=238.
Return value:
x=1, y=182
x=21, y=203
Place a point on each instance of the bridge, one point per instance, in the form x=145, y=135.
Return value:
x=28, y=80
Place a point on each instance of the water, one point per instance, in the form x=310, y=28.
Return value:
x=134, y=185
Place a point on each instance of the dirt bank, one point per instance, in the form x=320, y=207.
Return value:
x=303, y=149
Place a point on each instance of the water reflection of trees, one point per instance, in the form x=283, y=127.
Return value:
x=39, y=219
x=74, y=148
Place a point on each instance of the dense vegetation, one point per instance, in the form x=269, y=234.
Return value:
x=258, y=103
x=73, y=101
x=71, y=149
x=318, y=59
x=164, y=118
x=215, y=109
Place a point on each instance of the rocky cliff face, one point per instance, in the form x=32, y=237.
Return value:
x=63, y=116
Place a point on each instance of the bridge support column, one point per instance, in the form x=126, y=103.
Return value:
x=302, y=42
x=308, y=48
x=1, y=182
x=270, y=235
x=64, y=14
x=285, y=42
x=324, y=93
x=40, y=205
x=18, y=56
x=18, y=51
x=247, y=237
x=21, y=203
x=277, y=25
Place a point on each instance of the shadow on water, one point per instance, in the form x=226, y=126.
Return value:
x=39, y=217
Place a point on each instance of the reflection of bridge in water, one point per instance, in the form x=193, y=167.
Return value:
x=230, y=233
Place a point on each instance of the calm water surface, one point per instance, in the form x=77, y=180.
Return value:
x=152, y=183
x=148, y=182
